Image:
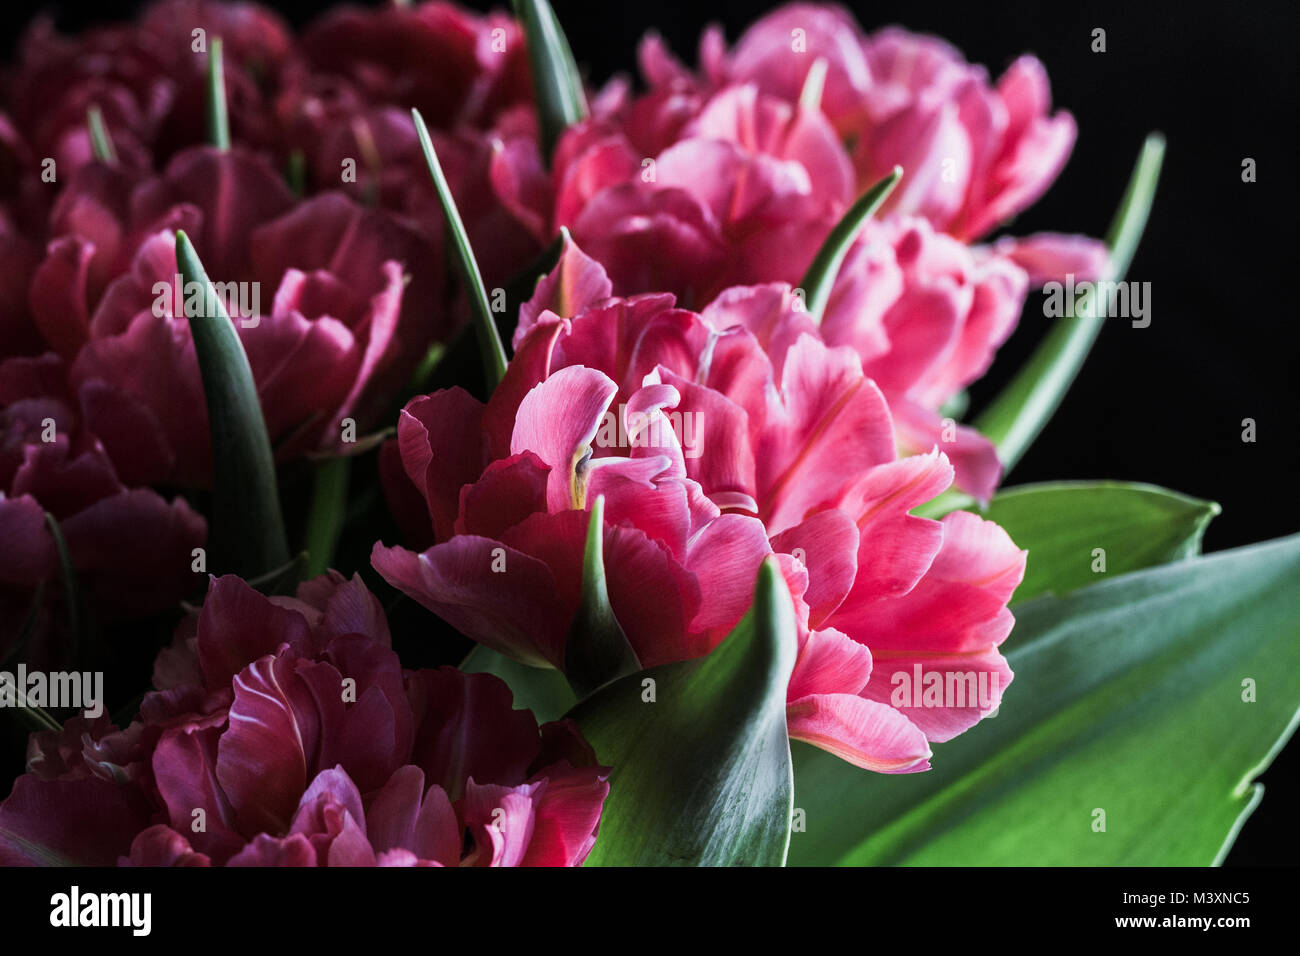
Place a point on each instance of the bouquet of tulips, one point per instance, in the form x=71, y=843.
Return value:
x=414, y=454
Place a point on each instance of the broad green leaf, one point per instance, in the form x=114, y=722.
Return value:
x=1063, y=523
x=1157, y=697
x=101, y=143
x=543, y=690
x=556, y=83
x=489, y=339
x=820, y=277
x=699, y=749
x=329, y=502
x=596, y=651
x=218, y=119
x=246, y=534
x=1013, y=420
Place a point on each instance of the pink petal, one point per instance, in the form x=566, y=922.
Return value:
x=557, y=421
x=867, y=734
x=513, y=611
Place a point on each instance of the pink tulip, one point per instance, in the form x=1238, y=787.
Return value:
x=148, y=80
x=734, y=178
x=289, y=729
x=794, y=453
x=693, y=194
x=323, y=306
x=975, y=153
x=348, y=100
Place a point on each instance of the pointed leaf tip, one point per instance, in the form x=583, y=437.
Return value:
x=561, y=101
x=717, y=722
x=247, y=530
x=491, y=350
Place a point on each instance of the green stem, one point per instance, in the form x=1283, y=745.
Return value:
x=328, y=507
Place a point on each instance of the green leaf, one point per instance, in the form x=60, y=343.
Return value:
x=556, y=83
x=1128, y=698
x=820, y=277
x=1062, y=523
x=246, y=535
x=101, y=143
x=543, y=690
x=597, y=650
x=701, y=772
x=489, y=339
x=218, y=120
x=329, y=501
x=1013, y=420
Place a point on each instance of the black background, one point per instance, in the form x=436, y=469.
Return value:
x=1162, y=404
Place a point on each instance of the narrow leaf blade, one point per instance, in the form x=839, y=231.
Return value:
x=247, y=531
x=491, y=350
x=820, y=277
x=77, y=623
x=557, y=86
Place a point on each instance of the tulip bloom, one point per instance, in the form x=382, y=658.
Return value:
x=319, y=297
x=149, y=81
x=346, y=103
x=737, y=175
x=284, y=732
x=975, y=153
x=129, y=547
x=797, y=457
